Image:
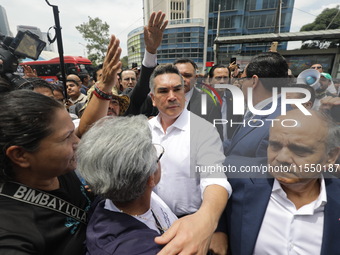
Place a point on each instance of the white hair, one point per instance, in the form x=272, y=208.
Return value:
x=116, y=157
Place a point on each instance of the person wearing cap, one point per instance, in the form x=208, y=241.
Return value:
x=73, y=84
x=331, y=88
x=118, y=104
x=323, y=89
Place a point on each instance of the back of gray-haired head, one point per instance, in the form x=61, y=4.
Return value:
x=163, y=69
x=116, y=157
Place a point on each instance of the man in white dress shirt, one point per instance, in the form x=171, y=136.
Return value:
x=297, y=211
x=193, y=151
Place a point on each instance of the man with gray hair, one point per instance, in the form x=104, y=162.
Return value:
x=117, y=159
x=296, y=208
x=193, y=183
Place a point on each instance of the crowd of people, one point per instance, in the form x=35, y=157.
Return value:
x=154, y=160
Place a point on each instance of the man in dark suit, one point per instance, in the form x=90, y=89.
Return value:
x=264, y=73
x=193, y=96
x=298, y=209
x=220, y=74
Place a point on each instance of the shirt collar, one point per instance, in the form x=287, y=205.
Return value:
x=320, y=201
x=181, y=123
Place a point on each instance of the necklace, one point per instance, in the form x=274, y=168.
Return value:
x=158, y=225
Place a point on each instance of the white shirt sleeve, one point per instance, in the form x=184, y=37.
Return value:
x=205, y=182
x=149, y=60
x=210, y=156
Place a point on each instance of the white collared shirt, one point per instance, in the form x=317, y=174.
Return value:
x=181, y=187
x=161, y=211
x=287, y=230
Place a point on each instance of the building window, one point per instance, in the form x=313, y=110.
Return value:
x=177, y=9
x=251, y=5
x=263, y=21
x=269, y=4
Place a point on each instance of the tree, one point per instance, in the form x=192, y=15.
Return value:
x=96, y=33
x=328, y=19
x=124, y=61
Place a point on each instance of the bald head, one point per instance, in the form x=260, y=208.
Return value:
x=296, y=121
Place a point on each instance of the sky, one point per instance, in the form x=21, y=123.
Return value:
x=122, y=16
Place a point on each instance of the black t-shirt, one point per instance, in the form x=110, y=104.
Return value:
x=29, y=229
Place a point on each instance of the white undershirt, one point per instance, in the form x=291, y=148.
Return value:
x=161, y=211
x=286, y=230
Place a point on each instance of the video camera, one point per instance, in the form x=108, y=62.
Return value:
x=25, y=44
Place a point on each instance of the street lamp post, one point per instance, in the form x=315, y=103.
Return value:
x=85, y=55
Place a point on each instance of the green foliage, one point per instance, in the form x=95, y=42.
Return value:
x=96, y=33
x=124, y=61
x=328, y=19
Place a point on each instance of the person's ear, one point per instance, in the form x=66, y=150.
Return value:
x=18, y=156
x=151, y=181
x=255, y=81
x=333, y=155
x=308, y=105
x=153, y=99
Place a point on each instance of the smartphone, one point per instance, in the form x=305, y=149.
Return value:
x=232, y=60
x=273, y=47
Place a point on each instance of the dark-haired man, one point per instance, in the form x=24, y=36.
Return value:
x=220, y=74
x=193, y=97
x=73, y=84
x=265, y=73
x=191, y=144
x=317, y=67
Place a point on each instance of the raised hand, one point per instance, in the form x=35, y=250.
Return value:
x=153, y=33
x=111, y=65
x=29, y=72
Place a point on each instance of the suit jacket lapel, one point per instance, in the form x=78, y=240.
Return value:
x=243, y=131
x=331, y=230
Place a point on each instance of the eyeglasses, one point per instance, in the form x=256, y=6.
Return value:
x=316, y=67
x=159, y=150
x=241, y=80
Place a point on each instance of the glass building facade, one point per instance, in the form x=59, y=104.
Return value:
x=193, y=37
x=182, y=38
x=245, y=17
